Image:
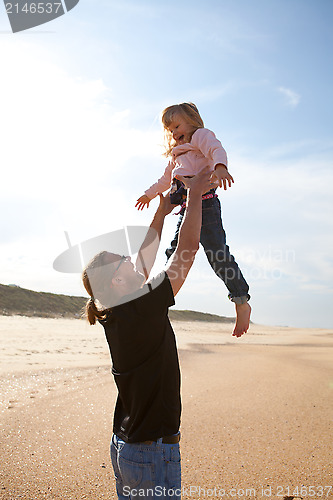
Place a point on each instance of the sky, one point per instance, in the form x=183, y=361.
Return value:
x=81, y=139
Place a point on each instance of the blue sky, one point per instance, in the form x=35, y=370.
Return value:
x=81, y=140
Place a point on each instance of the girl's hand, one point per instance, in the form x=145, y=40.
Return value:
x=142, y=202
x=221, y=176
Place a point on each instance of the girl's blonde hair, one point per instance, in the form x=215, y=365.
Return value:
x=96, y=280
x=186, y=110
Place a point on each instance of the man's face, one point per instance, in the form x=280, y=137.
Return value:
x=126, y=270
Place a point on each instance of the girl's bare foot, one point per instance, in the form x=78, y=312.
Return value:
x=243, y=313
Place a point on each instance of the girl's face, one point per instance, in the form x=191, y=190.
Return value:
x=181, y=130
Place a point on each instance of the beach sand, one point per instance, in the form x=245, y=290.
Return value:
x=256, y=422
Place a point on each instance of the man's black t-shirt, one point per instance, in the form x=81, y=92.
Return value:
x=145, y=364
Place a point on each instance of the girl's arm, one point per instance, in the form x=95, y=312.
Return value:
x=206, y=141
x=210, y=146
x=160, y=186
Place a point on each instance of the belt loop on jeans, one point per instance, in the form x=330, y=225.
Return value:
x=114, y=440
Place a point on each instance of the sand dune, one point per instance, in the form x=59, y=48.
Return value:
x=257, y=411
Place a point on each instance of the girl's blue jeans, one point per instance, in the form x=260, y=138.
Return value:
x=148, y=471
x=213, y=240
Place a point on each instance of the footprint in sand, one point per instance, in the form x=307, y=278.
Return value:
x=12, y=403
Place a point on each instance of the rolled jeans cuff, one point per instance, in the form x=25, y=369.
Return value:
x=240, y=300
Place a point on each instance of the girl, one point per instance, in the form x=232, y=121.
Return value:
x=191, y=148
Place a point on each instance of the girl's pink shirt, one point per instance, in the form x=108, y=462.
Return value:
x=190, y=158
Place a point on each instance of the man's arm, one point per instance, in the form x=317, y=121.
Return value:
x=148, y=250
x=189, y=235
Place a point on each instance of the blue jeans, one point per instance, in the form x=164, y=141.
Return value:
x=213, y=240
x=146, y=470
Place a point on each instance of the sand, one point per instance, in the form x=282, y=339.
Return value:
x=256, y=422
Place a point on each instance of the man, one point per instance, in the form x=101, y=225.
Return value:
x=145, y=443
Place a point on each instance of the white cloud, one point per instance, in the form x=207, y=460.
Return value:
x=64, y=145
x=64, y=139
x=291, y=97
